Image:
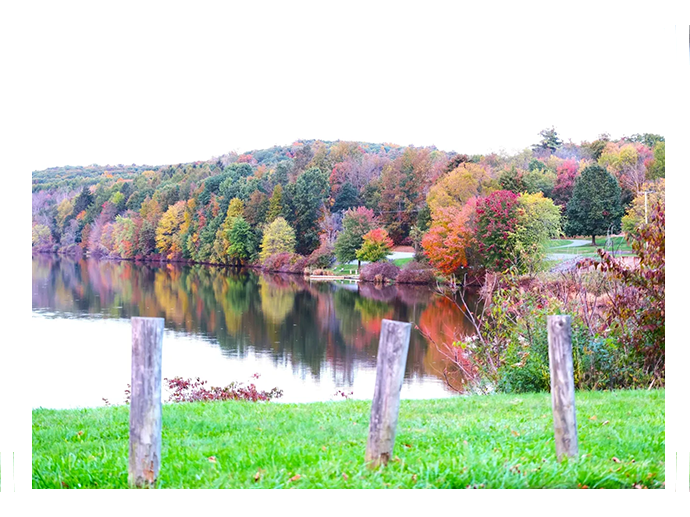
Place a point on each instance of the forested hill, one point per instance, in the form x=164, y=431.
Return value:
x=186, y=211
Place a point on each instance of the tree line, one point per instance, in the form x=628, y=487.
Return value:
x=318, y=201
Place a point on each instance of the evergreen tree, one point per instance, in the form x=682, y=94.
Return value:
x=311, y=189
x=595, y=208
x=347, y=197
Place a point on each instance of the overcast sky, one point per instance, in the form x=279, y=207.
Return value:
x=160, y=83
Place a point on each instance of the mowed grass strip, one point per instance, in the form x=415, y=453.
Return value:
x=618, y=244
x=497, y=441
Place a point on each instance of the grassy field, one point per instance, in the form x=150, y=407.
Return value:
x=351, y=269
x=618, y=244
x=497, y=441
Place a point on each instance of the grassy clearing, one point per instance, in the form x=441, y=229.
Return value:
x=402, y=261
x=618, y=244
x=345, y=269
x=498, y=441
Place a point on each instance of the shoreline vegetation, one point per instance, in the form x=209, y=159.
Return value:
x=474, y=441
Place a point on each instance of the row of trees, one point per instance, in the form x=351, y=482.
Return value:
x=329, y=195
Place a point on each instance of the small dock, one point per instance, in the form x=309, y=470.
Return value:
x=329, y=278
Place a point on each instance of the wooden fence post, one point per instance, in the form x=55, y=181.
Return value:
x=562, y=385
x=145, y=402
x=394, y=343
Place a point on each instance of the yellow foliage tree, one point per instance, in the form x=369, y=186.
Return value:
x=167, y=232
x=459, y=185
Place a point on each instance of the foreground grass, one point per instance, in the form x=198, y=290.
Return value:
x=498, y=441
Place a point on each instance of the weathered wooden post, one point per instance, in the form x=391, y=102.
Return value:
x=562, y=386
x=394, y=342
x=145, y=402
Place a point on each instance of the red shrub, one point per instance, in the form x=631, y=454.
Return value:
x=416, y=273
x=387, y=270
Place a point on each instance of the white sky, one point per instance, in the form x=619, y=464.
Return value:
x=159, y=83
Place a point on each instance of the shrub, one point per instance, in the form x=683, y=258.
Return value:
x=386, y=270
x=323, y=257
x=277, y=261
x=190, y=390
x=416, y=273
x=297, y=265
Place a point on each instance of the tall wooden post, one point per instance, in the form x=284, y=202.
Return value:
x=562, y=386
x=394, y=343
x=145, y=404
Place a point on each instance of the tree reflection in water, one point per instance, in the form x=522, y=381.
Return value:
x=307, y=325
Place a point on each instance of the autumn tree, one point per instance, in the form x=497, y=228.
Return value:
x=539, y=220
x=275, y=204
x=376, y=245
x=565, y=182
x=496, y=237
x=638, y=214
x=256, y=208
x=595, y=208
x=167, y=236
x=450, y=238
x=462, y=183
x=627, y=164
x=279, y=237
x=405, y=183
x=356, y=223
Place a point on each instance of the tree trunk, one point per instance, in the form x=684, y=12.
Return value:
x=594, y=243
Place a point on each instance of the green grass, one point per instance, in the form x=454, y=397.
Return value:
x=351, y=269
x=402, y=261
x=619, y=244
x=345, y=269
x=497, y=441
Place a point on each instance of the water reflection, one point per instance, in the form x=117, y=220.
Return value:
x=317, y=330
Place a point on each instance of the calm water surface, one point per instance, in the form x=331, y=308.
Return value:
x=312, y=340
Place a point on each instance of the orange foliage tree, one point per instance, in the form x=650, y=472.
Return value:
x=449, y=238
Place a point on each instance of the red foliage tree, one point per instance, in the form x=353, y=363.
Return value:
x=566, y=173
x=497, y=220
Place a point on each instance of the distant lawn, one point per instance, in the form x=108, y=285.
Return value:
x=351, y=269
x=618, y=245
x=345, y=269
x=491, y=441
x=402, y=261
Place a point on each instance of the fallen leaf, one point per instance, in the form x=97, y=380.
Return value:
x=296, y=477
x=414, y=477
x=212, y=459
x=257, y=476
x=515, y=433
x=345, y=476
x=615, y=460
x=593, y=417
x=323, y=448
x=606, y=422
x=639, y=486
x=408, y=445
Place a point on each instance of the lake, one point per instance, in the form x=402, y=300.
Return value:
x=313, y=340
